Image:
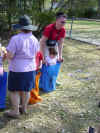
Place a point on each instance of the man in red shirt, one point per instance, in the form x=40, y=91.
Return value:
x=55, y=31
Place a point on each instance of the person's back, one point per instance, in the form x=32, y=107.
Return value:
x=25, y=48
x=21, y=51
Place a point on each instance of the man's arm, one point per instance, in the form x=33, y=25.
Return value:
x=43, y=45
x=60, y=47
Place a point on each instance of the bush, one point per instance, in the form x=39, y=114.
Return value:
x=42, y=19
x=90, y=13
x=3, y=28
x=86, y=13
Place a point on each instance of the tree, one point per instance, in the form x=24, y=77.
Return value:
x=42, y=12
x=98, y=1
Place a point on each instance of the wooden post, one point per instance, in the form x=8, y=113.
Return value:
x=70, y=32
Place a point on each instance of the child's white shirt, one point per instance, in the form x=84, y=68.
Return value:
x=51, y=61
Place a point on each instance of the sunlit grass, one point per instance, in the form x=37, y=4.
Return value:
x=83, y=29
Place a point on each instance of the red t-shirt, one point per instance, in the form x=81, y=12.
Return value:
x=56, y=34
x=39, y=57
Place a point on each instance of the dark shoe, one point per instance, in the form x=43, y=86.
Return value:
x=99, y=104
x=22, y=111
x=91, y=130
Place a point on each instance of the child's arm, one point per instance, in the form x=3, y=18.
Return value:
x=40, y=64
x=39, y=59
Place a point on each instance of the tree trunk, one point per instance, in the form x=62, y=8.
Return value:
x=9, y=14
x=98, y=13
x=24, y=5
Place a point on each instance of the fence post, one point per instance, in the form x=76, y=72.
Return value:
x=71, y=28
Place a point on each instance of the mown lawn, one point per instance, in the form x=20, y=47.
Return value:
x=73, y=107
x=84, y=29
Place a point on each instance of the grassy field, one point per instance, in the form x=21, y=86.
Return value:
x=85, y=22
x=84, y=29
x=73, y=107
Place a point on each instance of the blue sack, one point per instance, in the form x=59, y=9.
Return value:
x=3, y=90
x=48, y=77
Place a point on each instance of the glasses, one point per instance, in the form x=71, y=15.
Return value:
x=62, y=22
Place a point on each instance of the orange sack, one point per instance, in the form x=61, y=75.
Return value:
x=34, y=94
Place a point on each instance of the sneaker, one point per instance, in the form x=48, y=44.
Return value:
x=99, y=104
x=91, y=130
x=58, y=83
x=22, y=111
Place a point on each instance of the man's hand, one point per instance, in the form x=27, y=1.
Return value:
x=60, y=59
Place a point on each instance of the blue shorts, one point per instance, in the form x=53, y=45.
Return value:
x=21, y=81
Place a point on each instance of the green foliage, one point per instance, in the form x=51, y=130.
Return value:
x=86, y=13
x=90, y=13
x=42, y=11
x=43, y=19
x=83, y=8
x=3, y=27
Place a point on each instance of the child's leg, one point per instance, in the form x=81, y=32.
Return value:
x=25, y=100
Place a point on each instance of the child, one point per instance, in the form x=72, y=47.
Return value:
x=39, y=60
x=52, y=58
x=50, y=71
x=34, y=94
x=3, y=80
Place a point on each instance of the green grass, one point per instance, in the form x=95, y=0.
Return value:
x=84, y=22
x=84, y=29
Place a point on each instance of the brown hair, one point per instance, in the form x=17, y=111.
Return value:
x=52, y=51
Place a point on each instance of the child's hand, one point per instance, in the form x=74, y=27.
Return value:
x=39, y=67
x=4, y=50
